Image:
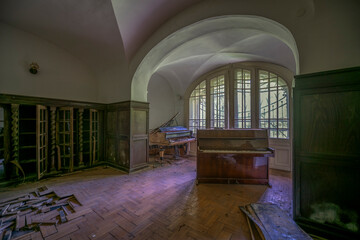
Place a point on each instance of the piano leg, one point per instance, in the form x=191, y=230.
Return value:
x=176, y=152
x=161, y=153
x=186, y=148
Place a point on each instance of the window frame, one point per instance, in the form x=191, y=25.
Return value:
x=229, y=72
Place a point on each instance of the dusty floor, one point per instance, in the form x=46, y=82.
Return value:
x=161, y=202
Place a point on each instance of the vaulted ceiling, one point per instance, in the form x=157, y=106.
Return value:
x=111, y=32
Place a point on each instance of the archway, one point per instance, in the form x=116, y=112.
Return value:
x=198, y=48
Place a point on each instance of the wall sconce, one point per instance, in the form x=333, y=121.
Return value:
x=34, y=67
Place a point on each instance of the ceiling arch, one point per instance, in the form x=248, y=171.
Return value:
x=198, y=48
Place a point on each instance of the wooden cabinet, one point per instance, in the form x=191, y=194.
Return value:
x=127, y=129
x=42, y=137
x=94, y=136
x=326, y=153
x=65, y=139
x=41, y=140
x=29, y=141
x=90, y=136
x=2, y=143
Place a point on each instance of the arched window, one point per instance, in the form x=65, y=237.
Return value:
x=252, y=97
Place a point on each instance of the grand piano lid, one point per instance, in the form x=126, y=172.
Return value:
x=173, y=129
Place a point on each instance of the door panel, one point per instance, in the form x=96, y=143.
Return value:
x=65, y=138
x=41, y=140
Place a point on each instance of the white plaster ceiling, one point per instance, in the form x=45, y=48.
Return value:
x=199, y=55
x=187, y=54
x=138, y=19
x=110, y=32
x=86, y=29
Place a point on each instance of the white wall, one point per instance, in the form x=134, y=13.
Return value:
x=113, y=84
x=61, y=76
x=330, y=39
x=162, y=101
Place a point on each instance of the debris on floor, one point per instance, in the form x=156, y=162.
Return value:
x=35, y=213
x=155, y=162
x=267, y=221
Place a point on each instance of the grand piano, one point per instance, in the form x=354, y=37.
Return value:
x=166, y=137
x=233, y=156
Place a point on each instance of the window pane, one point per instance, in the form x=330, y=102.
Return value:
x=273, y=104
x=283, y=100
x=264, y=104
x=281, y=82
x=273, y=133
x=264, y=124
x=264, y=83
x=263, y=74
x=242, y=99
x=197, y=107
x=273, y=123
x=247, y=74
x=283, y=133
x=217, y=102
x=283, y=124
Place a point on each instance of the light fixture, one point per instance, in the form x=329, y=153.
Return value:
x=34, y=67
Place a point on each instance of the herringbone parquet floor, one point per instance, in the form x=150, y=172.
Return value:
x=156, y=203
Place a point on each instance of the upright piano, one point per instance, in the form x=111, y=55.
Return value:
x=233, y=156
x=166, y=137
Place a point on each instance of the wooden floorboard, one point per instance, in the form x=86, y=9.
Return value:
x=155, y=203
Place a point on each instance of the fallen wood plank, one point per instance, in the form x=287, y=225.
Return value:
x=15, y=206
x=262, y=230
x=3, y=211
x=8, y=219
x=56, y=206
x=37, y=200
x=24, y=236
x=28, y=218
x=74, y=202
x=62, y=216
x=8, y=234
x=256, y=227
x=5, y=226
x=21, y=213
x=20, y=222
x=277, y=224
x=66, y=210
x=250, y=228
x=66, y=196
x=32, y=195
x=51, y=214
x=63, y=230
x=46, y=192
x=42, y=188
x=44, y=218
x=44, y=221
x=14, y=200
x=45, y=209
x=47, y=230
x=36, y=236
x=7, y=214
x=79, y=213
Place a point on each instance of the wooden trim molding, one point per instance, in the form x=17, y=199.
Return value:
x=18, y=99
